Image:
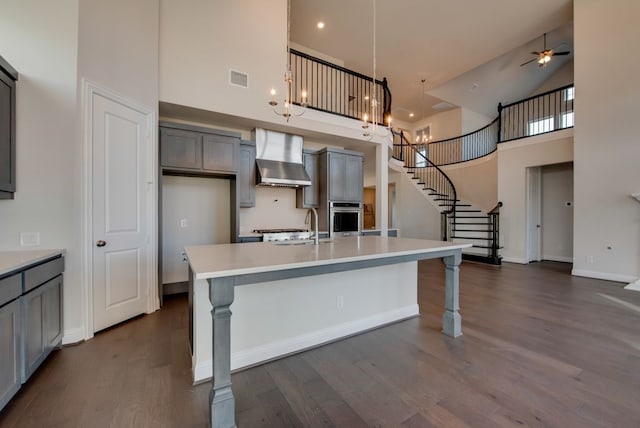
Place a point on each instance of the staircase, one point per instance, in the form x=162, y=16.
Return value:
x=482, y=230
x=460, y=221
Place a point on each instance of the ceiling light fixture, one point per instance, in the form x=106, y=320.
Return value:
x=289, y=107
x=321, y=25
x=368, y=130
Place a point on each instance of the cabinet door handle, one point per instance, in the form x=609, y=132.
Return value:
x=101, y=243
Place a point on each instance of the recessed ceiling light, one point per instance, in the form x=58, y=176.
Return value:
x=411, y=114
x=366, y=97
x=321, y=25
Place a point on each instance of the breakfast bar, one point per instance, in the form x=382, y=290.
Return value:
x=290, y=297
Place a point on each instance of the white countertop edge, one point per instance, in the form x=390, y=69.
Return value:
x=299, y=265
x=11, y=261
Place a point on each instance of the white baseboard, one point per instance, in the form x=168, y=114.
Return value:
x=515, y=260
x=634, y=286
x=260, y=354
x=74, y=335
x=558, y=259
x=603, y=275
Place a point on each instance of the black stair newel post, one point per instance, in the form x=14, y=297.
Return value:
x=386, y=102
x=495, y=223
x=443, y=226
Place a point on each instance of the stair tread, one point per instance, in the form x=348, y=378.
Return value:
x=471, y=216
x=473, y=230
x=485, y=246
x=470, y=237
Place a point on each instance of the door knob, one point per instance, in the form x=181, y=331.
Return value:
x=101, y=243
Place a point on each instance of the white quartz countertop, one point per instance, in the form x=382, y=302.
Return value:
x=217, y=261
x=15, y=260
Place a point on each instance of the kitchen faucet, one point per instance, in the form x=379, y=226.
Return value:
x=306, y=221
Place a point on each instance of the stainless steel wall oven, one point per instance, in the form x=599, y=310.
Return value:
x=345, y=218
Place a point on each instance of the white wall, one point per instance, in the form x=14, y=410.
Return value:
x=39, y=39
x=447, y=124
x=472, y=121
x=562, y=77
x=275, y=208
x=204, y=204
x=200, y=41
x=476, y=181
x=513, y=159
x=53, y=45
x=416, y=216
x=557, y=212
x=606, y=139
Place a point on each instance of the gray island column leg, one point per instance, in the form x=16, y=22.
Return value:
x=221, y=399
x=451, y=320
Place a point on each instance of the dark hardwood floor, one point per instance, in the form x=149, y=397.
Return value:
x=540, y=348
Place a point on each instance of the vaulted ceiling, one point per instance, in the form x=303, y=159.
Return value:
x=454, y=45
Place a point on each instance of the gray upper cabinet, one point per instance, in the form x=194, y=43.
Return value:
x=8, y=77
x=180, y=149
x=247, y=174
x=195, y=148
x=309, y=196
x=219, y=153
x=344, y=176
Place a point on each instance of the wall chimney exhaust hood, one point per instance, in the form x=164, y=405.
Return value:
x=279, y=159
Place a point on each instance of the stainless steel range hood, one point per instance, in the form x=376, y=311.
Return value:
x=279, y=159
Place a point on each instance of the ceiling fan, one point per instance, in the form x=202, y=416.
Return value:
x=545, y=55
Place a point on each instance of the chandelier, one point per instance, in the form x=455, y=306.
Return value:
x=289, y=108
x=371, y=129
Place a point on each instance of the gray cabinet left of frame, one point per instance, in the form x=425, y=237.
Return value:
x=8, y=77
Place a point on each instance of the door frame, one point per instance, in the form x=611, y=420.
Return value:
x=89, y=90
x=533, y=212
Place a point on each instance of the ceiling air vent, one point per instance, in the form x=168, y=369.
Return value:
x=238, y=78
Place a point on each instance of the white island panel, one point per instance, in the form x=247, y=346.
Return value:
x=275, y=318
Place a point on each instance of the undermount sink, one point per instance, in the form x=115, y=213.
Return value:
x=303, y=242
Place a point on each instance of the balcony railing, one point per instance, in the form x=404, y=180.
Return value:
x=337, y=90
x=539, y=114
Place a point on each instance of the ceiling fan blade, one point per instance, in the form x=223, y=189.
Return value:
x=531, y=60
x=562, y=53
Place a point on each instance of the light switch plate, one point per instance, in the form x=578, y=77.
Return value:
x=29, y=239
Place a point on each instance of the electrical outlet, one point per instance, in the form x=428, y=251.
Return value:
x=29, y=239
x=183, y=256
x=340, y=302
x=184, y=223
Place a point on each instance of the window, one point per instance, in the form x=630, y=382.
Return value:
x=421, y=155
x=569, y=94
x=541, y=126
x=566, y=120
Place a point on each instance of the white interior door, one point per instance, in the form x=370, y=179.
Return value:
x=120, y=139
x=534, y=198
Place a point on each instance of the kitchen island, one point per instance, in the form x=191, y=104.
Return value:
x=292, y=297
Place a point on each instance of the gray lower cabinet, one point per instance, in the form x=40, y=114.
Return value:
x=245, y=239
x=196, y=148
x=30, y=321
x=42, y=324
x=11, y=365
x=247, y=174
x=309, y=196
